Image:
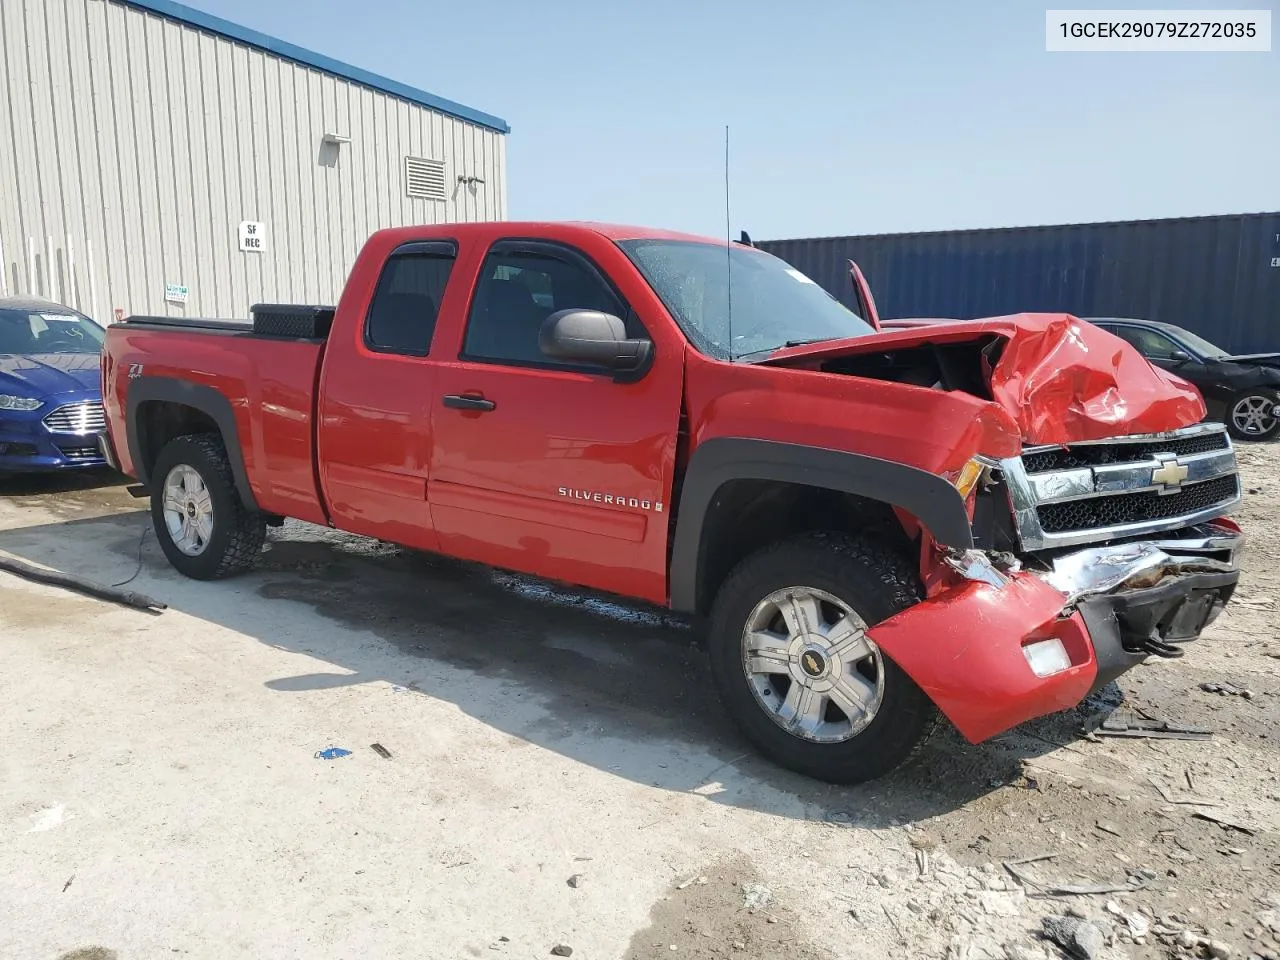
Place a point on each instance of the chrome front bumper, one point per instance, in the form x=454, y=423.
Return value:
x=1136, y=599
x=1100, y=570
x=1148, y=598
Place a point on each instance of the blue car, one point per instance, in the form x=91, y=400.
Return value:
x=50, y=388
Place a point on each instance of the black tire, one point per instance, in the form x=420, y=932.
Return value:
x=1261, y=395
x=876, y=583
x=238, y=533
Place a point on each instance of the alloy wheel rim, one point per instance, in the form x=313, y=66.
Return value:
x=811, y=666
x=1252, y=416
x=188, y=510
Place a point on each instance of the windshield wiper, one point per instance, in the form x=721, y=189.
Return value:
x=805, y=343
x=759, y=354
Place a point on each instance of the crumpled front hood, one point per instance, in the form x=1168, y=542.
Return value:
x=1061, y=379
x=42, y=375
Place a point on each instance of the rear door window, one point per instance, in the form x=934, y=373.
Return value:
x=406, y=303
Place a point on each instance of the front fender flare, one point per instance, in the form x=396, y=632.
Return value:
x=926, y=496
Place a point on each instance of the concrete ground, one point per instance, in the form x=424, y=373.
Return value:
x=560, y=774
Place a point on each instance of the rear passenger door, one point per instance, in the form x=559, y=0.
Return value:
x=375, y=402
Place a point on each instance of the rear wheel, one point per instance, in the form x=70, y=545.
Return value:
x=1252, y=416
x=796, y=670
x=203, y=527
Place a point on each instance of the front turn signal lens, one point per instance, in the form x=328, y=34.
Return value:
x=969, y=476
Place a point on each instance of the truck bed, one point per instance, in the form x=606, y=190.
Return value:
x=264, y=370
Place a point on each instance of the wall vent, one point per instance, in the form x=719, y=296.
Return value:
x=424, y=178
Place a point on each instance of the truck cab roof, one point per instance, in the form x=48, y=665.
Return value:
x=545, y=229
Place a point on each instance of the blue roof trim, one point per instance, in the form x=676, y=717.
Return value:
x=233, y=31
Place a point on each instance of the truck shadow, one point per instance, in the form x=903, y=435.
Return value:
x=67, y=481
x=621, y=688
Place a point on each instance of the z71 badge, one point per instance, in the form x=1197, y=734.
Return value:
x=610, y=499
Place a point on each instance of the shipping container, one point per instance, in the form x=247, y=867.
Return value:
x=1217, y=276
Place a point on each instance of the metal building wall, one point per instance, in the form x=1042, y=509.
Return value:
x=1217, y=276
x=133, y=145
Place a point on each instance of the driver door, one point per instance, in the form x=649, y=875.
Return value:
x=546, y=467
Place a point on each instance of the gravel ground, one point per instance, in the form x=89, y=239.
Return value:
x=161, y=793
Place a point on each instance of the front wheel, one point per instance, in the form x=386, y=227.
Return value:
x=203, y=527
x=1252, y=416
x=796, y=670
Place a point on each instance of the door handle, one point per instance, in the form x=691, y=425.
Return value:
x=462, y=401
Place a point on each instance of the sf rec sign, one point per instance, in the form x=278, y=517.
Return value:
x=253, y=236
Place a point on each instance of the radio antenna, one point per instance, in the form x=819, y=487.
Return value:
x=728, y=242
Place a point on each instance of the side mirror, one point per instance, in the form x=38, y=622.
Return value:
x=1180, y=356
x=595, y=337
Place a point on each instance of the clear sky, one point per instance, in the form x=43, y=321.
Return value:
x=845, y=116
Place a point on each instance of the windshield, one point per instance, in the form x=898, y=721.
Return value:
x=1200, y=345
x=28, y=331
x=773, y=304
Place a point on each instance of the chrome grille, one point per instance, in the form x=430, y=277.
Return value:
x=77, y=418
x=1135, y=507
x=1127, y=486
x=1100, y=454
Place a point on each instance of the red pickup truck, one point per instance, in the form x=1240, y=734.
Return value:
x=987, y=520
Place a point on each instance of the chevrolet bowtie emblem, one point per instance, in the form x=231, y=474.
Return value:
x=1170, y=473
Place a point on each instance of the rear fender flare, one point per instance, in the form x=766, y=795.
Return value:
x=199, y=397
x=926, y=496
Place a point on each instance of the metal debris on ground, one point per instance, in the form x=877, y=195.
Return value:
x=1108, y=828
x=562, y=950
x=1225, y=822
x=332, y=753
x=1131, y=725
x=380, y=750
x=1185, y=798
x=1042, y=888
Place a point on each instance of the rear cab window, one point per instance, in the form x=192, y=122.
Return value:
x=406, y=302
